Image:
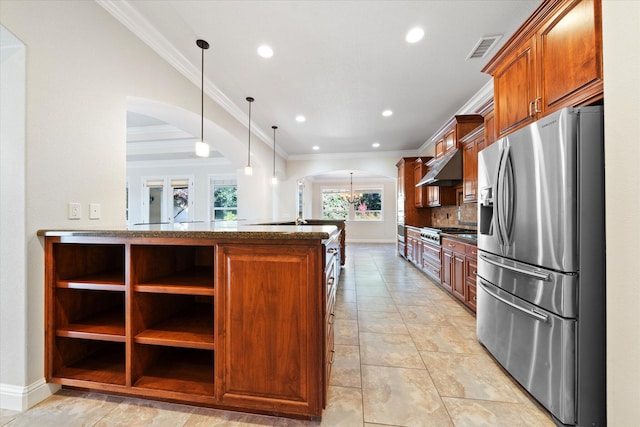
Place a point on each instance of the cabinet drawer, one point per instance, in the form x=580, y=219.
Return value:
x=471, y=251
x=471, y=296
x=471, y=270
x=454, y=246
x=431, y=253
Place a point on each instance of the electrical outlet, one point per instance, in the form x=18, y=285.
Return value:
x=74, y=211
x=94, y=210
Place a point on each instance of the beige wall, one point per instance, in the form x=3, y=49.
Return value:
x=621, y=34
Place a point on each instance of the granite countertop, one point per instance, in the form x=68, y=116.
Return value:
x=203, y=230
x=470, y=238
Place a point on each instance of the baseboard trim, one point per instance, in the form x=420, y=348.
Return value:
x=18, y=398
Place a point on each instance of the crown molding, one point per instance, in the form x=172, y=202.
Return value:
x=472, y=106
x=354, y=155
x=124, y=12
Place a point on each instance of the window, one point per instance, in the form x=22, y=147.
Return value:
x=166, y=200
x=180, y=190
x=370, y=206
x=224, y=206
x=336, y=206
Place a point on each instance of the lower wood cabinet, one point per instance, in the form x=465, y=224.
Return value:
x=239, y=325
x=459, y=268
x=270, y=348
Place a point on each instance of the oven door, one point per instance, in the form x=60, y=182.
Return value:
x=536, y=346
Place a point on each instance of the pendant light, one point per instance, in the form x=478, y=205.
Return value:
x=353, y=199
x=202, y=148
x=247, y=169
x=274, y=178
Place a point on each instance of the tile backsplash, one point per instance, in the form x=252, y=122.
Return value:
x=447, y=216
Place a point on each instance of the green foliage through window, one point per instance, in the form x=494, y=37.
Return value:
x=225, y=202
x=335, y=205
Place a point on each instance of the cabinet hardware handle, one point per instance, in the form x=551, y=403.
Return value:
x=333, y=356
x=536, y=109
x=332, y=250
x=475, y=298
x=475, y=273
x=531, y=109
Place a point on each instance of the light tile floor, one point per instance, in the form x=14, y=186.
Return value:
x=406, y=355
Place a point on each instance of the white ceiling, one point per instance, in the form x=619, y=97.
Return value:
x=339, y=63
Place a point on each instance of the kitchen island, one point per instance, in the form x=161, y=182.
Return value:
x=232, y=317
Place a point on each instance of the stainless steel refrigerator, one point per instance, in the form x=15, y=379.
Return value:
x=541, y=262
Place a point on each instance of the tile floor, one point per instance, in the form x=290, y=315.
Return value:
x=406, y=355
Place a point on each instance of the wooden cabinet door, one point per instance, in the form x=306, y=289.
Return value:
x=440, y=148
x=569, y=49
x=450, y=141
x=269, y=343
x=515, y=89
x=470, y=170
x=458, y=276
x=421, y=196
x=489, y=130
x=447, y=270
x=434, y=196
x=471, y=268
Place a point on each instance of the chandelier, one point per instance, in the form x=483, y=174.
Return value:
x=353, y=199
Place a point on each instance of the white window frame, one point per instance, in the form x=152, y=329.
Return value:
x=232, y=180
x=351, y=216
x=166, y=209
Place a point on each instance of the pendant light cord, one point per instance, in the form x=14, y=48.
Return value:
x=249, y=100
x=274, y=149
x=202, y=100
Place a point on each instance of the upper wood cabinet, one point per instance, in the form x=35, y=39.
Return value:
x=448, y=138
x=408, y=212
x=553, y=61
x=471, y=144
x=419, y=171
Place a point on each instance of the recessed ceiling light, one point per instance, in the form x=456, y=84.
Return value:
x=265, y=51
x=387, y=113
x=375, y=145
x=315, y=147
x=301, y=119
x=414, y=35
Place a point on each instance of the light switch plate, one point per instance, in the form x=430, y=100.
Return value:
x=94, y=210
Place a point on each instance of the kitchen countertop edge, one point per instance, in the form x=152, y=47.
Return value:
x=303, y=232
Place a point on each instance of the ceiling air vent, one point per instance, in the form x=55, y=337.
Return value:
x=483, y=46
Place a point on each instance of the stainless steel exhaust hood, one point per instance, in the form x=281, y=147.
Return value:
x=445, y=172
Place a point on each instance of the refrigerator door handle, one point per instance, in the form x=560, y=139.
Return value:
x=534, y=274
x=539, y=316
x=505, y=175
x=498, y=198
x=509, y=197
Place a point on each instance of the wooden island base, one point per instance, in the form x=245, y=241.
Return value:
x=238, y=320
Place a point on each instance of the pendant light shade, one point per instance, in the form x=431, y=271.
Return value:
x=247, y=169
x=274, y=178
x=202, y=148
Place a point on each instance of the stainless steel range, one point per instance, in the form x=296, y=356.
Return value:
x=432, y=235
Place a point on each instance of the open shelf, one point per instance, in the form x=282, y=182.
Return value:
x=192, y=281
x=182, y=270
x=89, y=266
x=174, y=320
x=108, y=326
x=103, y=281
x=175, y=369
x=90, y=360
x=90, y=314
